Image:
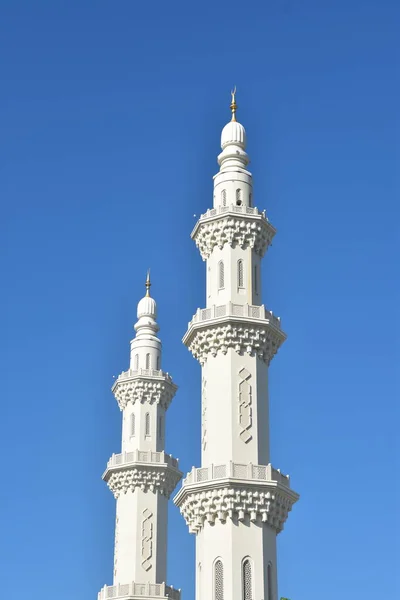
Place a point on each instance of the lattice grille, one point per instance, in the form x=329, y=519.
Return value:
x=219, y=580
x=247, y=581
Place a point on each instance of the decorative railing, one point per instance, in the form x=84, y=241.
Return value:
x=235, y=310
x=242, y=210
x=127, y=590
x=147, y=372
x=237, y=471
x=142, y=456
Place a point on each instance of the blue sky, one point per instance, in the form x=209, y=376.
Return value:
x=110, y=116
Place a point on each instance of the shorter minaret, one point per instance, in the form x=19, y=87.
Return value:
x=143, y=476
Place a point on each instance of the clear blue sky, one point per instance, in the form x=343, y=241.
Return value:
x=110, y=116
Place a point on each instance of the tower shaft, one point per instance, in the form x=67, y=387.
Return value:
x=236, y=502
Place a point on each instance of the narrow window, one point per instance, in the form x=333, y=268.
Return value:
x=158, y=362
x=219, y=580
x=269, y=578
x=255, y=279
x=136, y=362
x=147, y=361
x=240, y=273
x=160, y=426
x=250, y=198
x=239, y=197
x=221, y=275
x=223, y=197
x=247, y=581
x=132, y=424
x=147, y=424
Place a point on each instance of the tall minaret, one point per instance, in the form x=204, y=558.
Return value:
x=236, y=503
x=143, y=476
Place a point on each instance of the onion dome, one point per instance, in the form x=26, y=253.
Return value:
x=147, y=306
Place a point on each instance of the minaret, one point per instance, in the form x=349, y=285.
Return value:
x=143, y=476
x=236, y=503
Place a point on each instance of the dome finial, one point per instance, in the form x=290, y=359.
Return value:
x=148, y=284
x=233, y=105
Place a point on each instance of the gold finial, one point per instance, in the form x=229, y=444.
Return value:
x=233, y=105
x=148, y=284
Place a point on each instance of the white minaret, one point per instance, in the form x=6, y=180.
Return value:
x=236, y=503
x=143, y=476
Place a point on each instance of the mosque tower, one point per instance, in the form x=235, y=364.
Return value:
x=236, y=502
x=142, y=477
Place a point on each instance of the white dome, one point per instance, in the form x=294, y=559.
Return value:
x=233, y=133
x=147, y=307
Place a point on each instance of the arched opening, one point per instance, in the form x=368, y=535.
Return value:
x=223, y=198
x=147, y=361
x=147, y=424
x=221, y=275
x=136, y=362
x=240, y=277
x=239, y=197
x=133, y=424
x=218, y=580
x=247, y=580
x=269, y=582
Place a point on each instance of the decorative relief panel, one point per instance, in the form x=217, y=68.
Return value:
x=147, y=539
x=255, y=340
x=204, y=415
x=152, y=478
x=143, y=390
x=256, y=233
x=256, y=503
x=245, y=413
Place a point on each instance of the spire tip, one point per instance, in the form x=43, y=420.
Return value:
x=233, y=105
x=148, y=283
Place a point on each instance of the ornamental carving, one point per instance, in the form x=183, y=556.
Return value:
x=256, y=503
x=245, y=416
x=151, y=478
x=147, y=539
x=254, y=339
x=142, y=390
x=235, y=230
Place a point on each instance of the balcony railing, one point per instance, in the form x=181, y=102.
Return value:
x=129, y=590
x=146, y=372
x=237, y=471
x=235, y=310
x=242, y=210
x=125, y=458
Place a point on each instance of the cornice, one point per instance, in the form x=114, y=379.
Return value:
x=208, y=334
x=144, y=386
x=241, y=226
x=266, y=502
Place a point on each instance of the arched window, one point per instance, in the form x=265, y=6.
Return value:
x=160, y=428
x=147, y=361
x=133, y=424
x=250, y=198
x=247, y=581
x=240, y=274
x=269, y=582
x=218, y=580
x=238, y=197
x=158, y=362
x=255, y=279
x=223, y=197
x=136, y=364
x=221, y=275
x=147, y=424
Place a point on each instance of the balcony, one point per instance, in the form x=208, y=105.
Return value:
x=237, y=471
x=235, y=310
x=139, y=456
x=131, y=591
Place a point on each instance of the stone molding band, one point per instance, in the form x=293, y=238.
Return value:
x=153, y=477
x=252, y=337
x=139, y=388
x=263, y=502
x=252, y=231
